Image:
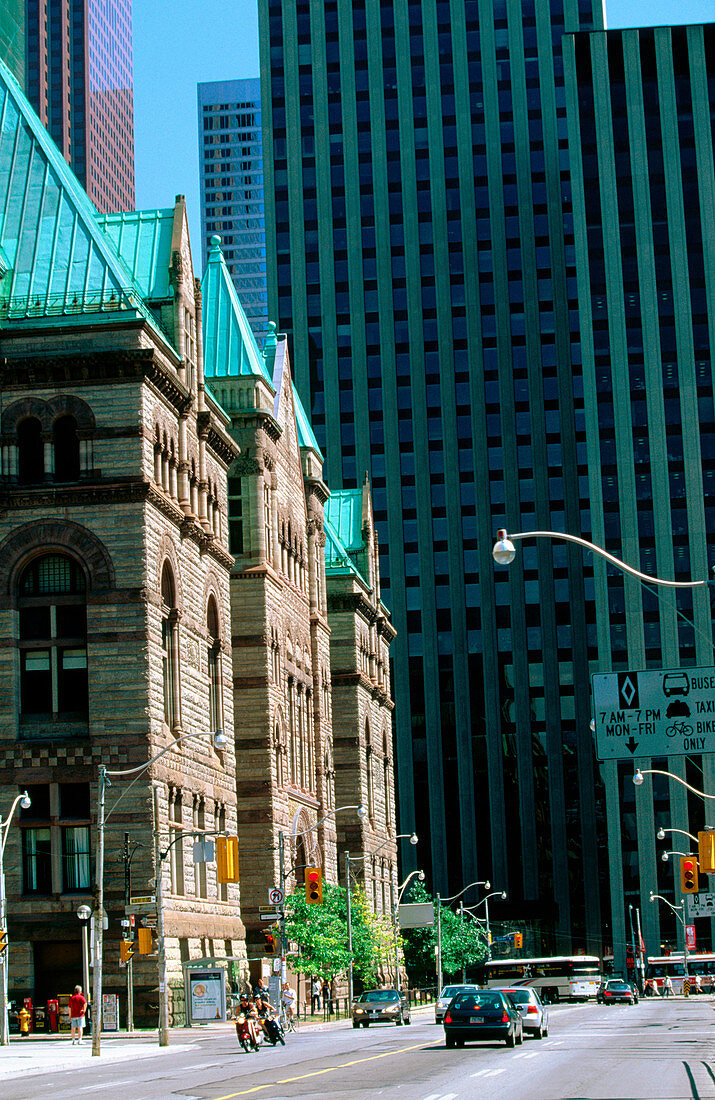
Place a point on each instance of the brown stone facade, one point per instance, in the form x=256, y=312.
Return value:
x=115, y=639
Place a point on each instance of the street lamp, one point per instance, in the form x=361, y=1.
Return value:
x=640, y=772
x=504, y=553
x=412, y=837
x=23, y=800
x=439, y=900
x=84, y=913
x=666, y=855
x=485, y=902
x=219, y=742
x=679, y=911
x=399, y=891
x=661, y=834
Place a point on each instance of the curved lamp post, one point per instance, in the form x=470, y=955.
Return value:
x=661, y=834
x=665, y=856
x=23, y=800
x=219, y=742
x=486, y=884
x=399, y=891
x=504, y=553
x=679, y=911
x=640, y=772
x=485, y=902
x=412, y=837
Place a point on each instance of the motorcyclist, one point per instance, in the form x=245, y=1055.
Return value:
x=271, y=1027
x=247, y=1008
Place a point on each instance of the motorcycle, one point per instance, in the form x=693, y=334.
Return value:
x=246, y=1034
x=273, y=1031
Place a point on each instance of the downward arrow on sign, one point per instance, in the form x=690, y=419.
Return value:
x=631, y=744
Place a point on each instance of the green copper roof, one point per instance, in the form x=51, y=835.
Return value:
x=337, y=559
x=143, y=240
x=230, y=348
x=306, y=438
x=344, y=510
x=59, y=262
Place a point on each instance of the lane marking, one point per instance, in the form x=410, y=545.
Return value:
x=328, y=1069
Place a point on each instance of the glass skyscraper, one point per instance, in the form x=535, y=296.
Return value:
x=12, y=37
x=79, y=80
x=232, y=203
x=641, y=120
x=420, y=229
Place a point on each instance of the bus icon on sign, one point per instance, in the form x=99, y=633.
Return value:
x=676, y=683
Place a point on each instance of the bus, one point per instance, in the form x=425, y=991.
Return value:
x=658, y=966
x=557, y=977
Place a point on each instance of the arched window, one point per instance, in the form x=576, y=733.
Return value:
x=387, y=784
x=31, y=452
x=214, y=667
x=170, y=649
x=369, y=766
x=66, y=447
x=53, y=640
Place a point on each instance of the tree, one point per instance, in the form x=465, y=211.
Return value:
x=321, y=934
x=463, y=942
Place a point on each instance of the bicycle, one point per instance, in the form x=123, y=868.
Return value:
x=287, y=1019
x=678, y=727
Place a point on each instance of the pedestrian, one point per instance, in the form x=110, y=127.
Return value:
x=315, y=996
x=288, y=1000
x=327, y=996
x=667, y=986
x=695, y=982
x=78, y=1008
x=23, y=1017
x=259, y=988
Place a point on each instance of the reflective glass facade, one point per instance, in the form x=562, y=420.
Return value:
x=12, y=37
x=79, y=80
x=641, y=120
x=232, y=203
x=420, y=231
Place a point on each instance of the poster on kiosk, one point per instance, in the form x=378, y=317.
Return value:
x=207, y=995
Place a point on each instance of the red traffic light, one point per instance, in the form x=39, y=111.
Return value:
x=689, y=875
x=313, y=885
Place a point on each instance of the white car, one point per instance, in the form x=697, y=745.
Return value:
x=449, y=991
x=534, y=1013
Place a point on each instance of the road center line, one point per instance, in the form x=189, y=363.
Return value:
x=329, y=1069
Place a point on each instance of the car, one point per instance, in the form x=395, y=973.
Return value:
x=484, y=1014
x=442, y=1002
x=375, y=1005
x=616, y=991
x=534, y=1013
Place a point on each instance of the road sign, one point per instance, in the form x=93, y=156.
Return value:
x=654, y=712
x=148, y=899
x=274, y=916
x=276, y=895
x=149, y=922
x=700, y=905
x=418, y=914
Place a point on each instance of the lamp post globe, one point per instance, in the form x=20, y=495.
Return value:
x=487, y=885
x=638, y=778
x=220, y=741
x=25, y=801
x=413, y=839
x=504, y=550
x=84, y=912
x=661, y=834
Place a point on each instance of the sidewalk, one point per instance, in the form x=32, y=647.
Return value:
x=44, y=1053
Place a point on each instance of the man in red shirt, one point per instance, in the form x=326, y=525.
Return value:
x=78, y=1007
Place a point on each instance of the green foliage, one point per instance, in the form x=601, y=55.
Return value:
x=321, y=933
x=463, y=943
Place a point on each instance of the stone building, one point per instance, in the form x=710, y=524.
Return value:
x=294, y=583
x=114, y=566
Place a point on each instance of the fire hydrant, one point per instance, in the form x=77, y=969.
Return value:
x=24, y=1018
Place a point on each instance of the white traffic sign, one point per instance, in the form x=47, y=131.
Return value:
x=700, y=905
x=274, y=916
x=654, y=712
x=276, y=895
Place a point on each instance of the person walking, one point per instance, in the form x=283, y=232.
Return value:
x=78, y=1008
x=667, y=986
x=288, y=1001
x=315, y=996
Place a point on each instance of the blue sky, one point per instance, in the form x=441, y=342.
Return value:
x=181, y=43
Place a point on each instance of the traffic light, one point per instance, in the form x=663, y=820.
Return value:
x=313, y=885
x=227, y=858
x=3, y=941
x=518, y=939
x=269, y=943
x=145, y=941
x=706, y=851
x=126, y=950
x=689, y=875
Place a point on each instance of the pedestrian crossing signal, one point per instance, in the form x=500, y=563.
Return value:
x=145, y=941
x=706, y=851
x=227, y=859
x=269, y=947
x=126, y=950
x=313, y=885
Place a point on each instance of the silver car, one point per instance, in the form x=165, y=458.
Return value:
x=449, y=991
x=534, y=1013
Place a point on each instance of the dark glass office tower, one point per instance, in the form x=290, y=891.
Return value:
x=12, y=37
x=641, y=120
x=421, y=258
x=79, y=80
x=232, y=204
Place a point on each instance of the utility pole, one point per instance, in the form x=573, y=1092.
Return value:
x=461, y=933
x=282, y=917
x=350, y=933
x=161, y=940
x=439, y=946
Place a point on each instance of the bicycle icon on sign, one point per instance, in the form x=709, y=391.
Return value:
x=678, y=728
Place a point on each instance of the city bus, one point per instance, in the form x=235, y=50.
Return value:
x=658, y=966
x=557, y=977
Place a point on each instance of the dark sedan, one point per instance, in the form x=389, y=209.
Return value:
x=616, y=991
x=487, y=1014
x=377, y=1005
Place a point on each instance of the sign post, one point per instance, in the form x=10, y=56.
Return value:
x=654, y=712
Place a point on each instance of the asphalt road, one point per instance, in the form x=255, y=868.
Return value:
x=660, y=1050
